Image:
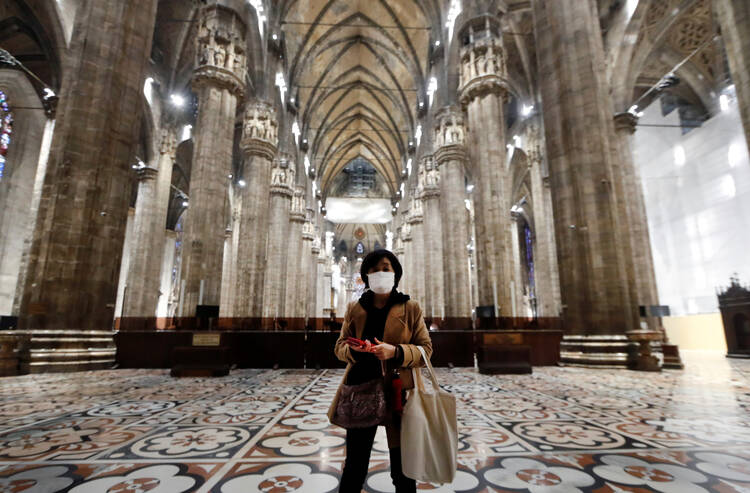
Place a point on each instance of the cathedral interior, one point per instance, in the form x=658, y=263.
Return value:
x=188, y=189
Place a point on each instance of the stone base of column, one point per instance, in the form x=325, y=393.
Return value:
x=672, y=360
x=45, y=351
x=600, y=351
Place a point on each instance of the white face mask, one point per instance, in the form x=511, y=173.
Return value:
x=381, y=282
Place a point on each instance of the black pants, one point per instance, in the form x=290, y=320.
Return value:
x=358, y=446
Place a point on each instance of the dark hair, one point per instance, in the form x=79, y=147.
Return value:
x=372, y=259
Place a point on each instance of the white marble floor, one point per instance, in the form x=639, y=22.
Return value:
x=557, y=430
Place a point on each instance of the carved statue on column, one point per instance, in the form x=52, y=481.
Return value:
x=219, y=50
x=483, y=65
x=259, y=129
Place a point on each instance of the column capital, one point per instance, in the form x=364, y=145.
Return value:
x=259, y=130
x=282, y=176
x=168, y=142
x=449, y=134
x=416, y=214
x=483, y=67
x=625, y=122
x=146, y=173
x=220, y=50
x=428, y=179
x=308, y=231
x=297, y=212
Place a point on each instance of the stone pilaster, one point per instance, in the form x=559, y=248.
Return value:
x=429, y=192
x=70, y=284
x=142, y=285
x=408, y=262
x=306, y=267
x=637, y=222
x=447, y=181
x=417, y=273
x=316, y=276
x=545, y=256
x=219, y=83
x=229, y=288
x=297, y=216
x=597, y=309
x=149, y=231
x=734, y=19
x=483, y=90
x=282, y=190
x=258, y=144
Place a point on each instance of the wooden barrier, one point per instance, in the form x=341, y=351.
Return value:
x=314, y=349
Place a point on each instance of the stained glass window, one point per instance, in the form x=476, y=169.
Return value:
x=6, y=128
x=530, y=265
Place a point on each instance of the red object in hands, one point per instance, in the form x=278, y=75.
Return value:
x=355, y=342
x=397, y=386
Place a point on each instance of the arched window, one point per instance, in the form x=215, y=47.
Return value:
x=6, y=128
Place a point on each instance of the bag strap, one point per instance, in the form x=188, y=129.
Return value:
x=418, y=385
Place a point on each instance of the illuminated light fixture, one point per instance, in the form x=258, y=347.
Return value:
x=281, y=83
x=453, y=12
x=510, y=147
x=679, y=156
x=229, y=176
x=527, y=109
x=184, y=203
x=397, y=204
x=307, y=164
x=515, y=209
x=431, y=88
x=467, y=202
x=295, y=131
x=470, y=188
x=49, y=93
x=418, y=134
x=517, y=140
x=242, y=183
x=724, y=102
x=437, y=43
x=401, y=189
x=274, y=37
x=633, y=109
x=177, y=100
x=314, y=188
x=639, y=114
x=291, y=100
x=408, y=167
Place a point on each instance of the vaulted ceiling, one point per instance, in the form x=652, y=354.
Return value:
x=358, y=70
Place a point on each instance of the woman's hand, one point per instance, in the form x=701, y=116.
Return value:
x=383, y=351
x=367, y=348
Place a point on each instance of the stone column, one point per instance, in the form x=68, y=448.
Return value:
x=316, y=276
x=545, y=257
x=219, y=81
x=282, y=189
x=398, y=251
x=297, y=216
x=231, y=266
x=306, y=267
x=429, y=185
x=408, y=263
x=149, y=233
x=597, y=309
x=637, y=222
x=448, y=180
x=417, y=272
x=483, y=90
x=258, y=144
x=734, y=19
x=70, y=284
x=165, y=287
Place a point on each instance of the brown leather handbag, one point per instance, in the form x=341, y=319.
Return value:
x=362, y=405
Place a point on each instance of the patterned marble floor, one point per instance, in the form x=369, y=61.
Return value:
x=558, y=430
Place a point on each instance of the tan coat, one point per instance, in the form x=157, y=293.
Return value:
x=404, y=326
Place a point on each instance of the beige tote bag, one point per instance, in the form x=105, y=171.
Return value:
x=429, y=432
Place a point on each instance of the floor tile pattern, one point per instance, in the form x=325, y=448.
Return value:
x=557, y=430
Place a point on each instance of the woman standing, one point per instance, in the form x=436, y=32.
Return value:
x=391, y=326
